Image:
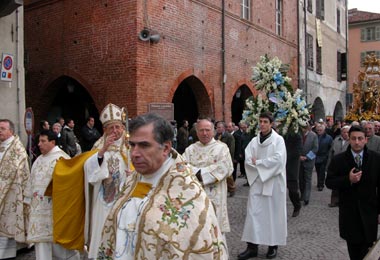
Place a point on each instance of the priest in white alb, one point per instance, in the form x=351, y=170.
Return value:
x=265, y=163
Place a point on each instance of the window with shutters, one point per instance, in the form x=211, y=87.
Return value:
x=246, y=9
x=310, y=6
x=320, y=9
x=279, y=17
x=370, y=34
x=339, y=66
x=338, y=20
x=310, y=53
x=318, y=58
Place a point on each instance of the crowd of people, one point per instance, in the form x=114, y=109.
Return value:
x=161, y=190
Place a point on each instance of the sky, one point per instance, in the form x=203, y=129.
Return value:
x=365, y=5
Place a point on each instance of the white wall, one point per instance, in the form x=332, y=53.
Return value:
x=12, y=94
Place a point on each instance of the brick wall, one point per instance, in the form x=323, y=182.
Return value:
x=96, y=43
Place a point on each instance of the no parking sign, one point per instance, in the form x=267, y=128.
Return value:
x=6, y=67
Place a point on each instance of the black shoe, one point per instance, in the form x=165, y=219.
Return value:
x=320, y=188
x=232, y=193
x=272, y=252
x=248, y=253
x=246, y=184
x=296, y=212
x=241, y=176
x=306, y=202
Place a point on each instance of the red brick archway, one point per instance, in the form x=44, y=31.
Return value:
x=246, y=88
x=192, y=80
x=58, y=99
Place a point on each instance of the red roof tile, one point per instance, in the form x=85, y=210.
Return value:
x=357, y=16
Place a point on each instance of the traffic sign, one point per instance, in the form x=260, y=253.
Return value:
x=29, y=121
x=6, y=67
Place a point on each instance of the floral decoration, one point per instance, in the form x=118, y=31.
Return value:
x=106, y=254
x=175, y=211
x=276, y=95
x=366, y=92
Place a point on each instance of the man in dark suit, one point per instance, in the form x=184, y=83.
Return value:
x=307, y=158
x=293, y=143
x=242, y=139
x=355, y=173
x=238, y=153
x=227, y=138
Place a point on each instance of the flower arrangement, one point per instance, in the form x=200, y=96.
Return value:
x=276, y=95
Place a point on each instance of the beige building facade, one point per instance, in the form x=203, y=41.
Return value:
x=322, y=59
x=12, y=87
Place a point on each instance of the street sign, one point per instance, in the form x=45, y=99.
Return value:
x=29, y=121
x=166, y=110
x=6, y=67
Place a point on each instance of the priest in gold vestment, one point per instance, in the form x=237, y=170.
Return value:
x=14, y=174
x=163, y=213
x=212, y=159
x=40, y=227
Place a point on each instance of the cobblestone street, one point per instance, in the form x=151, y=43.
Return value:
x=312, y=235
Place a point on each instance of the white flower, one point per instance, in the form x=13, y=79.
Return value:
x=287, y=105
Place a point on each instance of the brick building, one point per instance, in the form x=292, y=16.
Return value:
x=197, y=54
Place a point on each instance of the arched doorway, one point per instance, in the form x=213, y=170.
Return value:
x=191, y=101
x=71, y=100
x=318, y=110
x=238, y=103
x=338, y=112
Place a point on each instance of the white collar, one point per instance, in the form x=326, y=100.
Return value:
x=7, y=142
x=154, y=177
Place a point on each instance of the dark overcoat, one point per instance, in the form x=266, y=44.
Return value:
x=358, y=202
x=293, y=143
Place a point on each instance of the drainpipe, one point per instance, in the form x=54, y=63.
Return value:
x=305, y=35
x=18, y=74
x=223, y=62
x=346, y=16
x=299, y=45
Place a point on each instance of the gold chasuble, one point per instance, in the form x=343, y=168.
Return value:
x=172, y=219
x=69, y=201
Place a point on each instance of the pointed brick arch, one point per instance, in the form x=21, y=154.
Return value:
x=201, y=89
x=248, y=90
x=56, y=100
x=56, y=74
x=191, y=72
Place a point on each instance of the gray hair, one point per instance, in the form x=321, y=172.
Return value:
x=57, y=124
x=162, y=130
x=243, y=122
